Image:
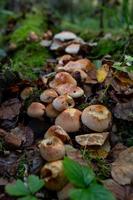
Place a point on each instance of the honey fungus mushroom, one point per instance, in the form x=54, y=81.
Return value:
x=62, y=78
x=51, y=112
x=53, y=175
x=36, y=110
x=26, y=92
x=81, y=64
x=96, y=118
x=52, y=149
x=69, y=120
x=48, y=95
x=71, y=90
x=63, y=102
x=59, y=132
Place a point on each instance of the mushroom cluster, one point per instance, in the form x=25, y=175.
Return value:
x=52, y=150
x=59, y=102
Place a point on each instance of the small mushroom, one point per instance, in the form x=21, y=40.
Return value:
x=26, y=93
x=52, y=149
x=63, y=102
x=48, y=95
x=82, y=64
x=51, y=112
x=36, y=110
x=71, y=90
x=65, y=36
x=33, y=37
x=96, y=118
x=53, y=175
x=62, y=78
x=69, y=120
x=72, y=48
x=64, y=59
x=57, y=131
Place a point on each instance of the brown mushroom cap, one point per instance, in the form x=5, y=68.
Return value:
x=48, y=95
x=57, y=131
x=83, y=75
x=71, y=90
x=63, y=102
x=96, y=117
x=51, y=112
x=69, y=120
x=26, y=92
x=64, y=59
x=52, y=149
x=36, y=110
x=82, y=64
x=53, y=175
x=62, y=78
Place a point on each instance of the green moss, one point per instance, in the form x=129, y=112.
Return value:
x=34, y=21
x=102, y=166
x=28, y=58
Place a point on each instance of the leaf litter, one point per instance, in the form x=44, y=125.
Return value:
x=102, y=83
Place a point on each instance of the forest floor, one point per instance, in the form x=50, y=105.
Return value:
x=96, y=74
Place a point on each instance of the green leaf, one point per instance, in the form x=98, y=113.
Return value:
x=17, y=189
x=94, y=192
x=28, y=198
x=34, y=183
x=122, y=68
x=80, y=176
x=128, y=58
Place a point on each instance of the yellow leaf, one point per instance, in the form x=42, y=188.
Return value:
x=102, y=73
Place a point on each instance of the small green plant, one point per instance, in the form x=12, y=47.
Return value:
x=25, y=190
x=103, y=168
x=21, y=167
x=126, y=65
x=85, y=182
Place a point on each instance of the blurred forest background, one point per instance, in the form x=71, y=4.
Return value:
x=109, y=23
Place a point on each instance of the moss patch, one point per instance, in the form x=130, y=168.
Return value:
x=28, y=58
x=35, y=21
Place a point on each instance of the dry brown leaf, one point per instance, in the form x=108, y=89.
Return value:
x=94, y=139
x=115, y=188
x=10, y=109
x=122, y=168
x=124, y=111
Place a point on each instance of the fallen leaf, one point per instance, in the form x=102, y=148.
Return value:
x=10, y=109
x=115, y=188
x=122, y=168
x=74, y=154
x=92, y=139
x=124, y=110
x=9, y=165
x=102, y=73
x=22, y=135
